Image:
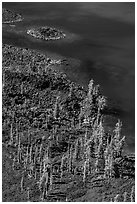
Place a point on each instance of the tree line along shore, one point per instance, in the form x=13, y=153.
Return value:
x=54, y=128
x=55, y=147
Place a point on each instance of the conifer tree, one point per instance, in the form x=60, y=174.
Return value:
x=99, y=157
x=55, y=112
x=125, y=197
x=132, y=195
x=77, y=150
x=3, y=78
x=70, y=159
x=109, y=168
x=71, y=90
x=84, y=171
x=90, y=87
x=118, y=142
x=62, y=166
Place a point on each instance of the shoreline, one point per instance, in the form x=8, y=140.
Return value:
x=54, y=127
x=14, y=21
x=58, y=62
x=58, y=65
x=30, y=94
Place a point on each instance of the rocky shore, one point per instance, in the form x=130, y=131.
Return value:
x=10, y=16
x=26, y=60
x=46, y=33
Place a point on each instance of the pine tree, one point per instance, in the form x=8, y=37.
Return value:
x=3, y=79
x=99, y=157
x=21, y=88
x=118, y=142
x=55, y=112
x=108, y=155
x=71, y=90
x=90, y=87
x=132, y=195
x=62, y=166
x=87, y=159
x=116, y=198
x=101, y=103
x=77, y=150
x=125, y=197
x=70, y=159
x=11, y=134
x=21, y=184
x=117, y=131
x=28, y=194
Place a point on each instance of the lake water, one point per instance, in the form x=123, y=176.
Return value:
x=104, y=42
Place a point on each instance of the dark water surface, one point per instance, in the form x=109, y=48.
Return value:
x=104, y=42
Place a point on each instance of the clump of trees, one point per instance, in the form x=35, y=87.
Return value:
x=125, y=197
x=74, y=142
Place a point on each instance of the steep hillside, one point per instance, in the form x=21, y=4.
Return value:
x=55, y=147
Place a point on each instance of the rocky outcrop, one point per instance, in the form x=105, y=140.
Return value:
x=10, y=16
x=46, y=33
